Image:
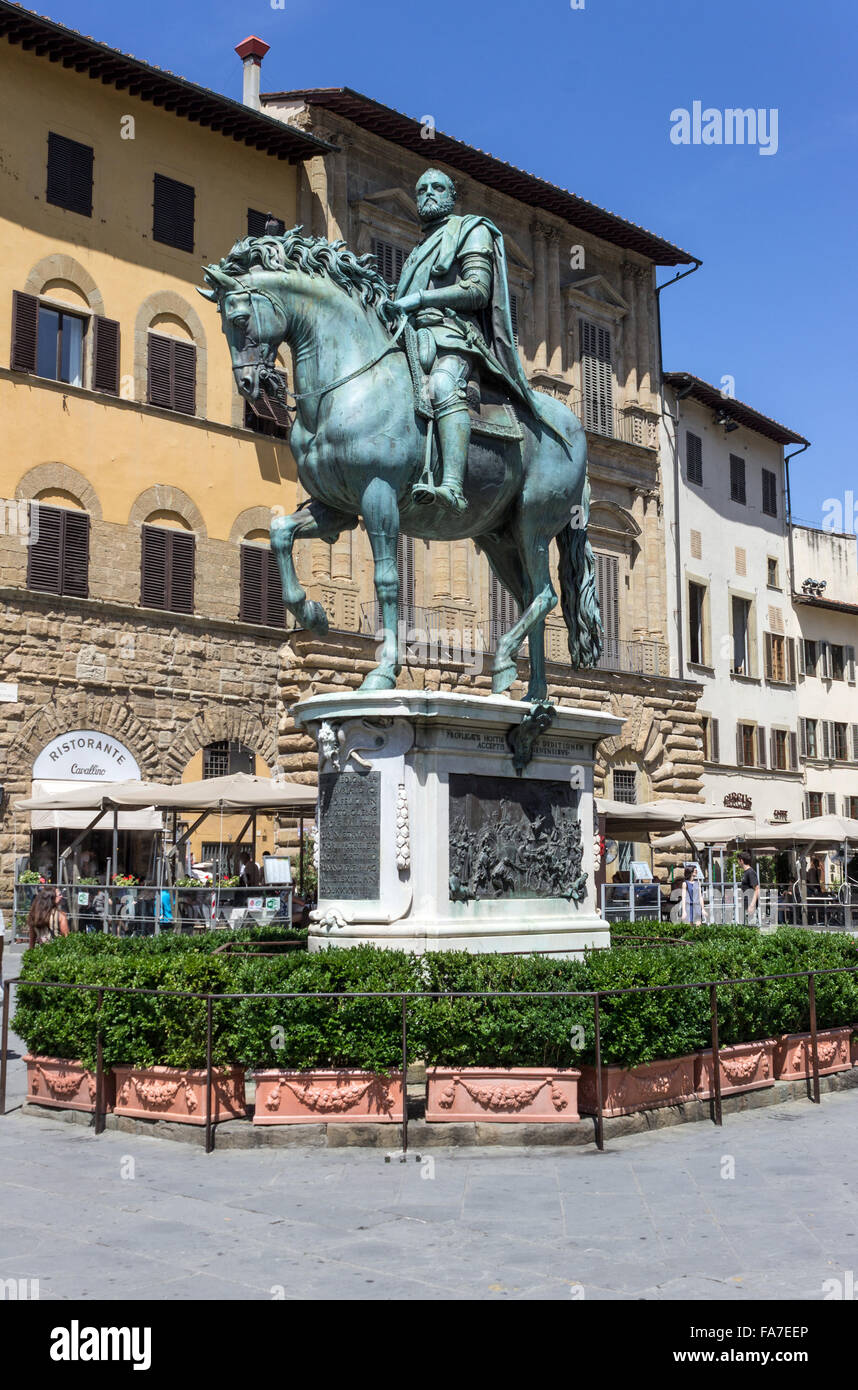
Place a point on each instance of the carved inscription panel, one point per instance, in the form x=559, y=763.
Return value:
x=349, y=835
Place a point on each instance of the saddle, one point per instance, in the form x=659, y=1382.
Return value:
x=492, y=414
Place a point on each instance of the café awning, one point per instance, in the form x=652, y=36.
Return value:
x=54, y=813
x=820, y=831
x=238, y=792
x=625, y=820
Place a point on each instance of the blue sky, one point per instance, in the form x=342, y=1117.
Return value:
x=583, y=98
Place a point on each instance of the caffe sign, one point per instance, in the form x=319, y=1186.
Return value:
x=86, y=756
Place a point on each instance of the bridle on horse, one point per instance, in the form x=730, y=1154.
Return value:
x=269, y=370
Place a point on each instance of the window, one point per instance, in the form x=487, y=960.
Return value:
x=172, y=373
x=514, y=311
x=851, y=807
x=390, y=260
x=770, y=493
x=173, y=213
x=503, y=609
x=221, y=856
x=267, y=415
x=737, y=479
x=49, y=342
x=745, y=745
x=167, y=570
x=694, y=458
x=839, y=747
x=696, y=624
x=69, y=175
x=256, y=224
x=226, y=757
x=59, y=346
x=838, y=666
x=607, y=589
x=810, y=657
x=741, y=609
x=772, y=573
x=596, y=378
x=809, y=738
x=780, y=658
x=261, y=595
x=814, y=803
x=625, y=785
x=58, y=559
x=711, y=750
x=780, y=750
x=405, y=571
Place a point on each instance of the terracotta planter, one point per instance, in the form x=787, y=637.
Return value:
x=327, y=1097
x=743, y=1067
x=624, y=1091
x=511, y=1095
x=171, y=1093
x=854, y=1047
x=793, y=1057
x=66, y=1085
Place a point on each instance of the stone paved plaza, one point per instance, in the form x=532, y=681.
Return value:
x=653, y=1218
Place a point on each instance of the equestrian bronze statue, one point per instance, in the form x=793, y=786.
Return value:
x=413, y=413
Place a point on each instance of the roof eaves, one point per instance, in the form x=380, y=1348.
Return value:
x=488, y=169
x=707, y=394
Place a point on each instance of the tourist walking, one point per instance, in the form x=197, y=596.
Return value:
x=692, y=895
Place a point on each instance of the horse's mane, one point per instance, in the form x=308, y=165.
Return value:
x=315, y=256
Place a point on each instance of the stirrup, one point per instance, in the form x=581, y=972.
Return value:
x=423, y=494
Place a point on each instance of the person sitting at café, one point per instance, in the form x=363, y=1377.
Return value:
x=46, y=919
x=250, y=874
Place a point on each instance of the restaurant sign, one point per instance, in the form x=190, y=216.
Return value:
x=86, y=756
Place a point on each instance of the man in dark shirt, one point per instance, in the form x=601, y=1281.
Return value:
x=750, y=888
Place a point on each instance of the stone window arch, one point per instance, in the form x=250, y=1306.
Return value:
x=165, y=505
x=59, y=485
x=167, y=313
x=63, y=278
x=252, y=525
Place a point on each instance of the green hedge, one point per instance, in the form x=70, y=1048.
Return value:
x=309, y=1032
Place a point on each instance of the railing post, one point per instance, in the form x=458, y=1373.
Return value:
x=716, y=1056
x=4, y=1041
x=600, y=1127
x=404, y=1076
x=209, y=1136
x=99, y=1068
x=814, y=1049
x=632, y=886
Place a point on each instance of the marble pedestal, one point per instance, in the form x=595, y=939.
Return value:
x=428, y=840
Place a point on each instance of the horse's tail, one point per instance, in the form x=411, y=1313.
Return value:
x=578, y=594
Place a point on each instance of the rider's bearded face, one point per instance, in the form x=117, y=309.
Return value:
x=436, y=196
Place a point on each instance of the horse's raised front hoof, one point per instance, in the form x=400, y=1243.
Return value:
x=503, y=677
x=312, y=616
x=382, y=678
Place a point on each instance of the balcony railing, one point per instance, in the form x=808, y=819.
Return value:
x=430, y=636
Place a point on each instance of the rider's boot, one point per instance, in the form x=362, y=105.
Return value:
x=454, y=432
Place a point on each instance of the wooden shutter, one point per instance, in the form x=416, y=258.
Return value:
x=69, y=174
x=172, y=373
x=173, y=213
x=737, y=479
x=793, y=752
x=58, y=560
x=252, y=600
x=740, y=747
x=824, y=660
x=105, y=355
x=160, y=371
x=790, y=655
x=849, y=663
x=769, y=658
x=180, y=587
x=25, y=320
x=607, y=589
x=256, y=223
x=855, y=743
x=832, y=803
x=153, y=567
x=761, y=746
x=802, y=736
x=44, y=556
x=597, y=385
x=826, y=739
x=800, y=655
x=275, y=615
x=390, y=260
x=770, y=493
x=75, y=554
x=694, y=458
x=714, y=742
x=184, y=377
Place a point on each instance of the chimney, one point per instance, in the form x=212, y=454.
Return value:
x=251, y=51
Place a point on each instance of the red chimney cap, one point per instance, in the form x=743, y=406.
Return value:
x=252, y=47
